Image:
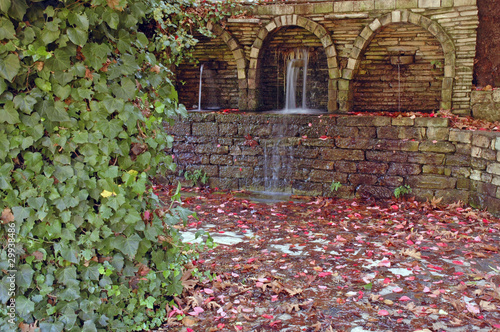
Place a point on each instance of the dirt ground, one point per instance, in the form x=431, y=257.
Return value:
x=327, y=264
x=487, y=64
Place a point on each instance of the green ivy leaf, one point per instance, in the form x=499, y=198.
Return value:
x=52, y=327
x=4, y=6
x=24, y=102
x=111, y=18
x=24, y=276
x=59, y=62
x=127, y=245
x=24, y=306
x=78, y=36
x=9, y=114
x=126, y=90
x=18, y=9
x=53, y=111
x=7, y=30
x=68, y=317
x=67, y=276
x=9, y=67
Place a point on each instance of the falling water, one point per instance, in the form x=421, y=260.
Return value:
x=399, y=87
x=199, y=90
x=298, y=60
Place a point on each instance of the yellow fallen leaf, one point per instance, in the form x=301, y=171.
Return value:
x=106, y=193
x=133, y=172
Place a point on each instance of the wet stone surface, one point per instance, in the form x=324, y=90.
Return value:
x=341, y=265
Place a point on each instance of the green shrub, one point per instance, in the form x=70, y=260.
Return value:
x=82, y=101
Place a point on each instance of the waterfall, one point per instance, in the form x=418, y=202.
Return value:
x=199, y=89
x=298, y=60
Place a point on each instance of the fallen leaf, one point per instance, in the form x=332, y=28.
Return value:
x=383, y=312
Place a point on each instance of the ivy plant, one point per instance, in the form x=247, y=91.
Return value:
x=83, y=95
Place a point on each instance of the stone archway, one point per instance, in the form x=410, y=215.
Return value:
x=292, y=20
x=239, y=56
x=398, y=16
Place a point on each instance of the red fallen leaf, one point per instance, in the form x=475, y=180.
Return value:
x=404, y=298
x=324, y=138
x=397, y=290
x=435, y=267
x=276, y=322
x=394, y=207
x=250, y=260
x=324, y=274
x=208, y=291
x=220, y=326
x=267, y=316
x=387, y=281
x=458, y=262
x=383, y=312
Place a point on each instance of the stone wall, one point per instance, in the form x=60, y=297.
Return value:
x=370, y=156
x=486, y=105
x=355, y=41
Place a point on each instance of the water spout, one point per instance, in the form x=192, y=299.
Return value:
x=297, y=61
x=199, y=89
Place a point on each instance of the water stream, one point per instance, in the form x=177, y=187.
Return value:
x=298, y=61
x=199, y=89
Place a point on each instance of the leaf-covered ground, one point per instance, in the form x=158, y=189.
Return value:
x=327, y=264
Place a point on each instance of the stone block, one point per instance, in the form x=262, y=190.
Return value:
x=489, y=112
x=463, y=183
x=235, y=172
x=377, y=192
x=366, y=179
x=458, y=160
x=375, y=25
x=361, y=121
x=403, y=121
x=387, y=156
x=437, y=146
x=451, y=196
x=341, y=154
x=366, y=33
x=465, y=3
x=363, y=5
x=431, y=122
x=427, y=158
x=218, y=159
x=493, y=168
x=435, y=169
x=462, y=136
x=354, y=143
x=205, y=129
x=404, y=169
x=396, y=16
x=387, y=132
x=480, y=140
x=438, y=133
x=432, y=182
x=212, y=149
x=406, y=133
x=345, y=6
x=429, y=3
x=400, y=4
x=370, y=167
x=227, y=129
x=391, y=181
x=385, y=4
x=345, y=166
x=323, y=7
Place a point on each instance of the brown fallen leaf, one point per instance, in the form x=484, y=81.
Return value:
x=411, y=253
x=7, y=216
x=290, y=307
x=488, y=306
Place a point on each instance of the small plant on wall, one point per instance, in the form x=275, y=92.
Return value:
x=335, y=186
x=197, y=176
x=402, y=191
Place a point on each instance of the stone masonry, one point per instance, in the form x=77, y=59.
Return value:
x=369, y=156
x=354, y=43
